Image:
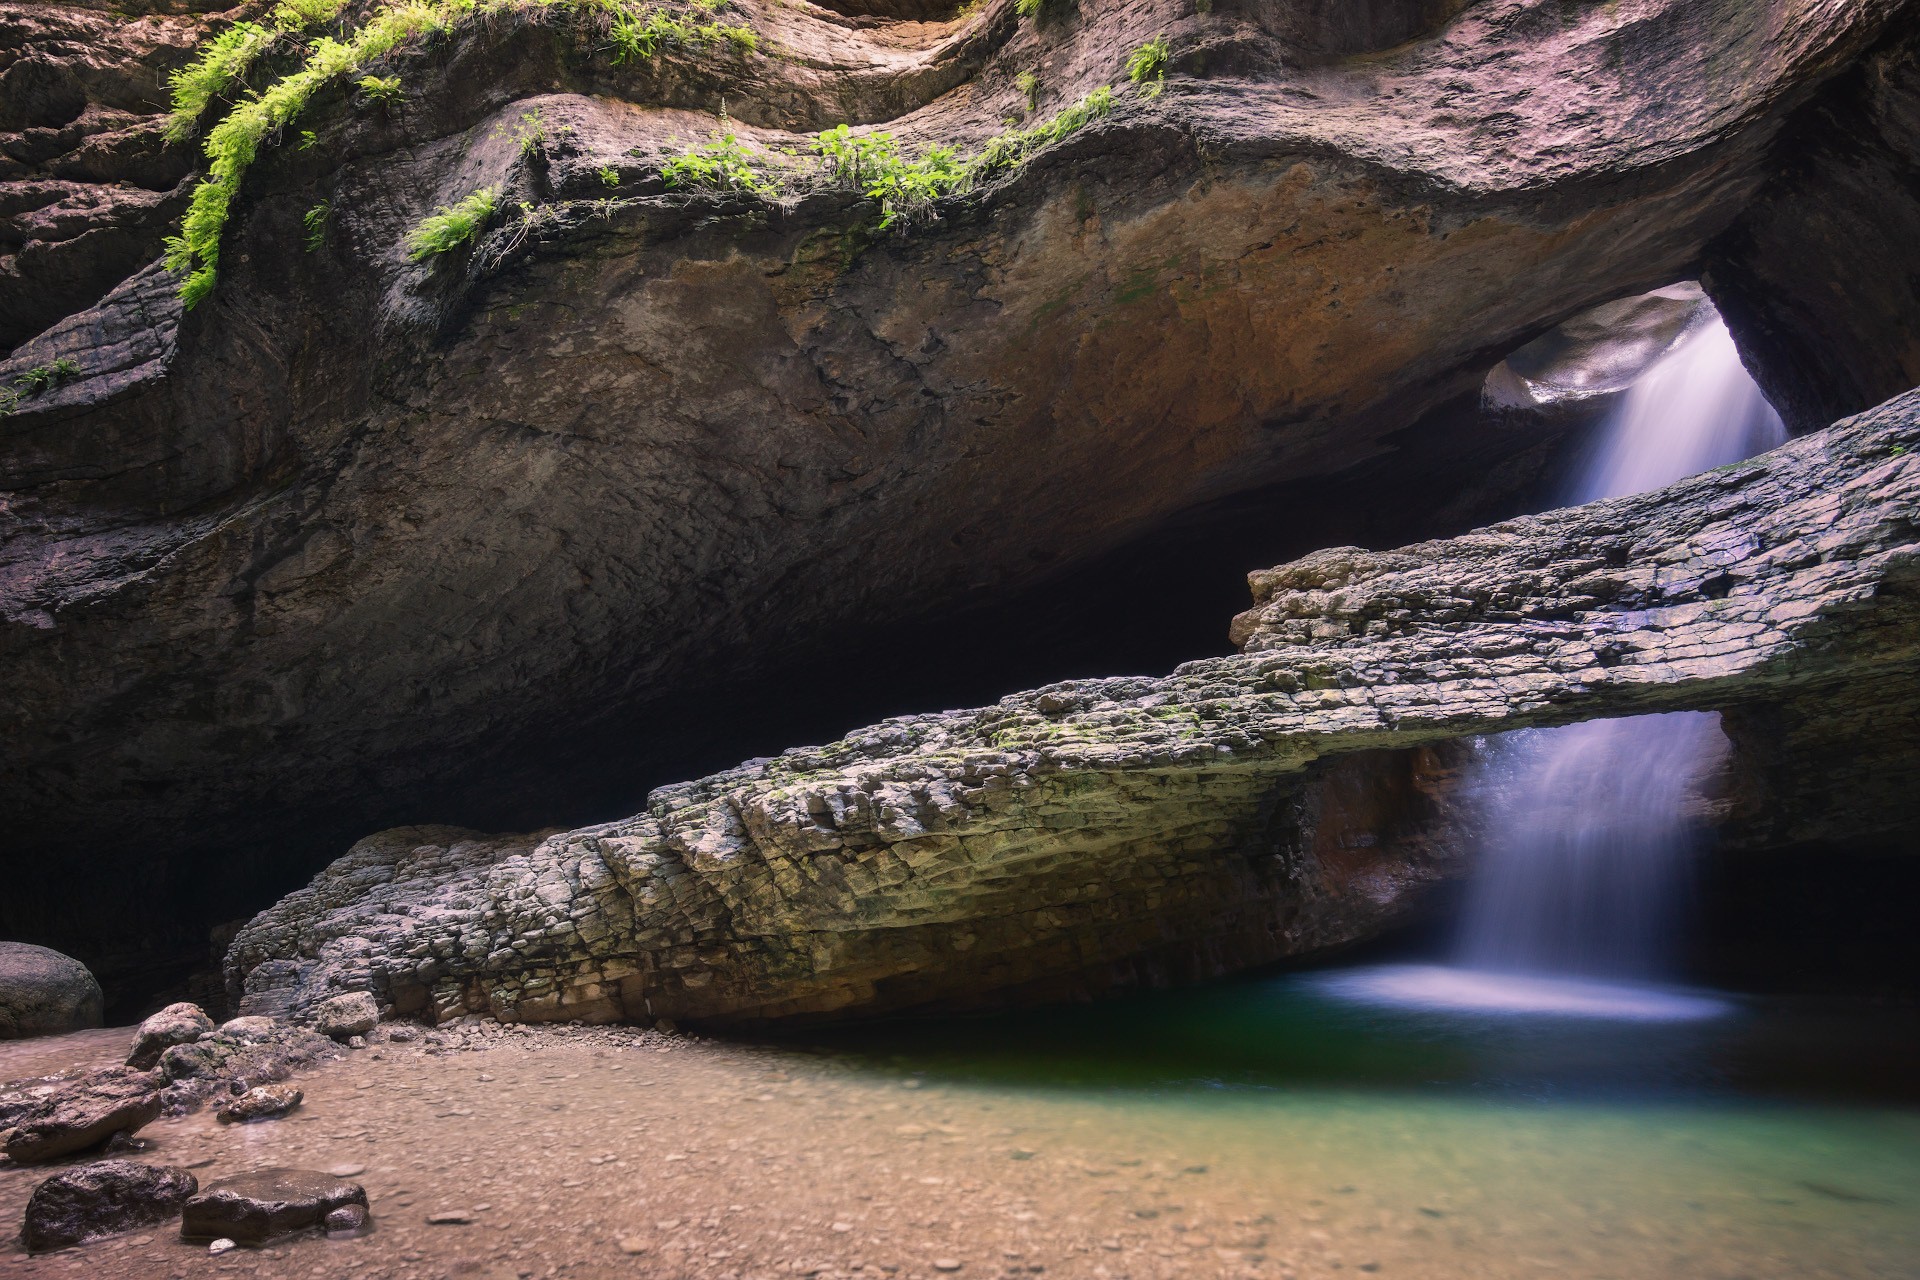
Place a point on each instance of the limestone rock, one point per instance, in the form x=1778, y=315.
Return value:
x=353, y=1014
x=1135, y=830
x=85, y=1114
x=43, y=993
x=255, y=1207
x=1325, y=225
x=176, y=1024
x=262, y=1102
x=102, y=1199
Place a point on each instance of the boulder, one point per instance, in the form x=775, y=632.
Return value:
x=254, y=1207
x=1271, y=803
x=341, y=1017
x=43, y=993
x=262, y=1102
x=102, y=1199
x=85, y=1114
x=175, y=1024
x=250, y=1030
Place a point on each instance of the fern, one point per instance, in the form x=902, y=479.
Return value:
x=453, y=226
x=219, y=68
x=1147, y=66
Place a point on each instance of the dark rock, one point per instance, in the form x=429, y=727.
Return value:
x=255, y=1207
x=353, y=1014
x=85, y=1114
x=102, y=1199
x=1275, y=802
x=43, y=993
x=175, y=1024
x=348, y=1220
x=262, y=1102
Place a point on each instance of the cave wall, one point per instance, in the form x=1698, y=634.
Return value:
x=1819, y=279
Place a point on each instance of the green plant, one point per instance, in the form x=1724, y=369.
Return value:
x=41, y=377
x=609, y=176
x=529, y=133
x=1029, y=85
x=44, y=377
x=1042, y=11
x=300, y=15
x=384, y=91
x=308, y=140
x=315, y=221
x=452, y=226
x=720, y=164
x=221, y=66
x=1010, y=150
x=1147, y=66
x=234, y=142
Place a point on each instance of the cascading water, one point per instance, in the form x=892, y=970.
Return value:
x=1586, y=829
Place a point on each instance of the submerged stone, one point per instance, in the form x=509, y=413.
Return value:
x=102, y=1199
x=257, y=1206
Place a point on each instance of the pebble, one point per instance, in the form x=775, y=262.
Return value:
x=450, y=1217
x=346, y=1170
x=634, y=1244
x=221, y=1245
x=946, y=1264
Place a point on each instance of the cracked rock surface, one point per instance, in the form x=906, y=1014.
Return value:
x=1106, y=832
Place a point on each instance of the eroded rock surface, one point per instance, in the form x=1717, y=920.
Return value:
x=1124, y=830
x=176, y=1024
x=361, y=535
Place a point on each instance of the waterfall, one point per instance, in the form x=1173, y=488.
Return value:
x=1586, y=834
x=1586, y=831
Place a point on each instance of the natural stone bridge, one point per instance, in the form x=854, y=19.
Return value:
x=1105, y=832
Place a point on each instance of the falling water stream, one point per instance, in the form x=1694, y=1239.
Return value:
x=1586, y=828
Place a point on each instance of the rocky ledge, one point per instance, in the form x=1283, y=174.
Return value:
x=1267, y=804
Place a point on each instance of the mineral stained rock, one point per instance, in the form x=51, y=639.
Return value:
x=255, y=1207
x=362, y=529
x=44, y=993
x=102, y=1199
x=1108, y=831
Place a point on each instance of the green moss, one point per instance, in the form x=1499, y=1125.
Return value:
x=1029, y=85
x=453, y=226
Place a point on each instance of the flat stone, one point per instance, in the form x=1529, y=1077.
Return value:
x=450, y=1217
x=102, y=1199
x=259, y=1205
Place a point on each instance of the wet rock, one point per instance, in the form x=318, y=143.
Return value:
x=175, y=1024
x=263, y=1102
x=257, y=1206
x=222, y=1245
x=85, y=1114
x=348, y=1220
x=44, y=993
x=102, y=1199
x=353, y=1014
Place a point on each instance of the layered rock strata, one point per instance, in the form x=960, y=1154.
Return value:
x=1127, y=830
x=361, y=534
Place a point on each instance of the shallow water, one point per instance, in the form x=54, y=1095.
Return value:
x=1261, y=1128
